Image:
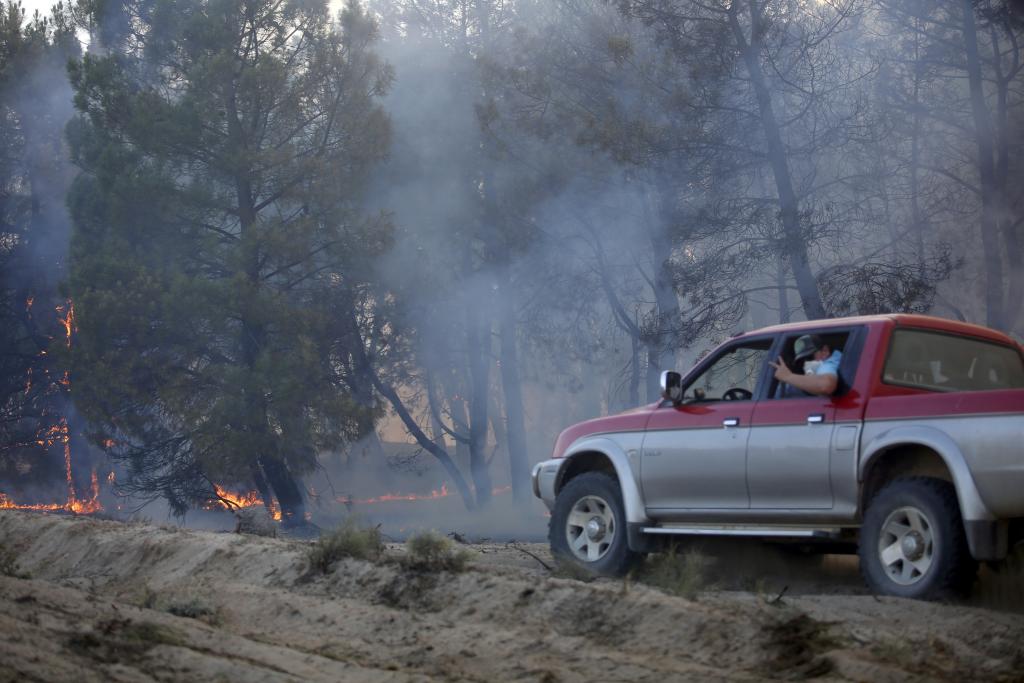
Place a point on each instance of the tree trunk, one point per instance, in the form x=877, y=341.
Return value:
x=511, y=383
x=661, y=341
x=434, y=404
x=260, y=481
x=993, y=260
x=423, y=440
x=789, y=210
x=478, y=342
x=622, y=318
x=780, y=281
x=369, y=445
x=1007, y=217
x=253, y=337
x=497, y=422
x=286, y=490
x=634, y=372
x=510, y=377
x=915, y=162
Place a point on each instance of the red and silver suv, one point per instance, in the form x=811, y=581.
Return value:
x=917, y=457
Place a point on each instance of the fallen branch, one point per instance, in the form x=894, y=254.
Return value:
x=778, y=598
x=527, y=552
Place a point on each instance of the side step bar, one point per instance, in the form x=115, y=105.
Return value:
x=708, y=530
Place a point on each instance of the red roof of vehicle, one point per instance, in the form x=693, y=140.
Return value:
x=898, y=319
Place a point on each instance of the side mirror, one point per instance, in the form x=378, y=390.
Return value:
x=672, y=386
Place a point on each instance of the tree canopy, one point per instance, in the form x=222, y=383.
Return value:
x=223, y=151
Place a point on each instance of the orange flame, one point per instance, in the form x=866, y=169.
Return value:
x=67, y=320
x=433, y=495
x=86, y=506
x=229, y=501
x=76, y=505
x=390, y=497
x=8, y=504
x=64, y=437
x=60, y=434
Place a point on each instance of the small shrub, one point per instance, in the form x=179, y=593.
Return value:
x=149, y=598
x=429, y=551
x=193, y=608
x=9, y=563
x=122, y=640
x=348, y=540
x=679, y=574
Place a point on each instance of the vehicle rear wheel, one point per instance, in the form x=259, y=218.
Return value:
x=588, y=525
x=912, y=542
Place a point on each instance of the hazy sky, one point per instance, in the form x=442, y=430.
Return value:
x=44, y=5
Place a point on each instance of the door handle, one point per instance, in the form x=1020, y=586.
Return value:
x=815, y=418
x=730, y=422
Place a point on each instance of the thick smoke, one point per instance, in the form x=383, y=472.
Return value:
x=602, y=178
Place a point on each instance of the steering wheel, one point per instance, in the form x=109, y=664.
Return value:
x=737, y=394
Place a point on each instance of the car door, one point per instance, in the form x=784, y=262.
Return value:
x=694, y=454
x=788, y=456
x=791, y=451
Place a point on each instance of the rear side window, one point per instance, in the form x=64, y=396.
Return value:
x=943, y=362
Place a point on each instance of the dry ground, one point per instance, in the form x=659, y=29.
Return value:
x=91, y=600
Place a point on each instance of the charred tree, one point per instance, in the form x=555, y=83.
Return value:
x=37, y=418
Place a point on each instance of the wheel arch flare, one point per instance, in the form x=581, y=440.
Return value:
x=619, y=457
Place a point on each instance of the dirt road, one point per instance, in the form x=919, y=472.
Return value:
x=91, y=600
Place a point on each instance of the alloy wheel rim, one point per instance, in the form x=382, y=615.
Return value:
x=590, y=528
x=906, y=545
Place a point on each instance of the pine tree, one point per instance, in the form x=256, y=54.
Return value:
x=225, y=145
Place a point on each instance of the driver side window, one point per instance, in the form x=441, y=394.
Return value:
x=730, y=377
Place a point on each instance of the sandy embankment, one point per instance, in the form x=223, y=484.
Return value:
x=105, y=599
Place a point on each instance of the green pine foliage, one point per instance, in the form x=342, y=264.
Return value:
x=224, y=146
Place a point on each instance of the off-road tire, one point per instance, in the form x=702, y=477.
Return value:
x=951, y=570
x=617, y=559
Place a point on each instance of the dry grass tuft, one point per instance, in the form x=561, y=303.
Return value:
x=428, y=551
x=349, y=540
x=683, y=574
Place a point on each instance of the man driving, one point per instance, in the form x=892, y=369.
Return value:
x=823, y=379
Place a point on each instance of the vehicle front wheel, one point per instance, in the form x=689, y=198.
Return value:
x=588, y=526
x=912, y=542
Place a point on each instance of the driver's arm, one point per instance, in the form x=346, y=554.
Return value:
x=819, y=385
